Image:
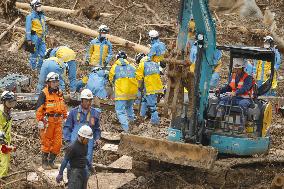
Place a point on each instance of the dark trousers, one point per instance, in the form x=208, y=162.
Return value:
x=78, y=178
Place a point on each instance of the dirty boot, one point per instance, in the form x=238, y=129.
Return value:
x=45, y=161
x=52, y=160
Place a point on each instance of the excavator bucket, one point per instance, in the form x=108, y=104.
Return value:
x=141, y=148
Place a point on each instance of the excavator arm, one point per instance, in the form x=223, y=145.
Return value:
x=206, y=40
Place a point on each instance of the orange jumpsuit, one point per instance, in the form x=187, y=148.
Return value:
x=51, y=109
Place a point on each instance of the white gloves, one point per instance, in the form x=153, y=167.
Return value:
x=40, y=125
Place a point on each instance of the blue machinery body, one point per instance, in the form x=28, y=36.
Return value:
x=206, y=39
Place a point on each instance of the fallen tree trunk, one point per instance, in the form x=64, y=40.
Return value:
x=10, y=27
x=56, y=9
x=114, y=39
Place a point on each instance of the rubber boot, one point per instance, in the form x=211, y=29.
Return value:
x=52, y=160
x=45, y=161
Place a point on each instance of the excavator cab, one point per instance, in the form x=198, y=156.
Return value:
x=238, y=132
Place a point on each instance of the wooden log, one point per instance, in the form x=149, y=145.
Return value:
x=86, y=31
x=10, y=27
x=56, y=9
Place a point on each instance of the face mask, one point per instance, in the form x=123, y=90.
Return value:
x=103, y=35
x=11, y=103
x=38, y=9
x=266, y=45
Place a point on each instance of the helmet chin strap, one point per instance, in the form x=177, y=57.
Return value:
x=51, y=90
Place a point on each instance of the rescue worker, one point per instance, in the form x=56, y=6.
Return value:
x=97, y=84
x=148, y=76
x=9, y=101
x=240, y=88
x=50, y=113
x=52, y=64
x=36, y=31
x=263, y=68
x=249, y=67
x=81, y=84
x=122, y=75
x=99, y=52
x=67, y=55
x=84, y=114
x=76, y=156
x=158, y=48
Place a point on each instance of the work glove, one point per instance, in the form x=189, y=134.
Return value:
x=59, y=178
x=97, y=143
x=163, y=64
x=66, y=144
x=105, y=64
x=40, y=125
x=85, y=79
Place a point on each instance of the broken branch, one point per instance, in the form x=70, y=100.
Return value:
x=10, y=27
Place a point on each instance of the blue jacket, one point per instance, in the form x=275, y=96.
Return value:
x=157, y=51
x=35, y=22
x=97, y=82
x=76, y=119
x=99, y=52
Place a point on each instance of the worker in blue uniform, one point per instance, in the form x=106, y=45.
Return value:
x=158, y=48
x=55, y=65
x=36, y=31
x=84, y=114
x=68, y=56
x=99, y=51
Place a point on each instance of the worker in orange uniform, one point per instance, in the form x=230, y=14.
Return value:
x=50, y=113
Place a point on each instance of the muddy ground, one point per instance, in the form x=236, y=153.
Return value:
x=132, y=24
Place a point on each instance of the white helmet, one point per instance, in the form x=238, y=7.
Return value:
x=86, y=132
x=153, y=33
x=86, y=94
x=52, y=76
x=268, y=38
x=103, y=29
x=239, y=63
x=7, y=95
x=35, y=3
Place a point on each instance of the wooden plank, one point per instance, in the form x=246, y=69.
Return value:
x=50, y=176
x=110, y=147
x=109, y=180
x=23, y=115
x=110, y=136
x=124, y=162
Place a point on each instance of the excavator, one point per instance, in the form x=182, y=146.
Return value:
x=196, y=136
